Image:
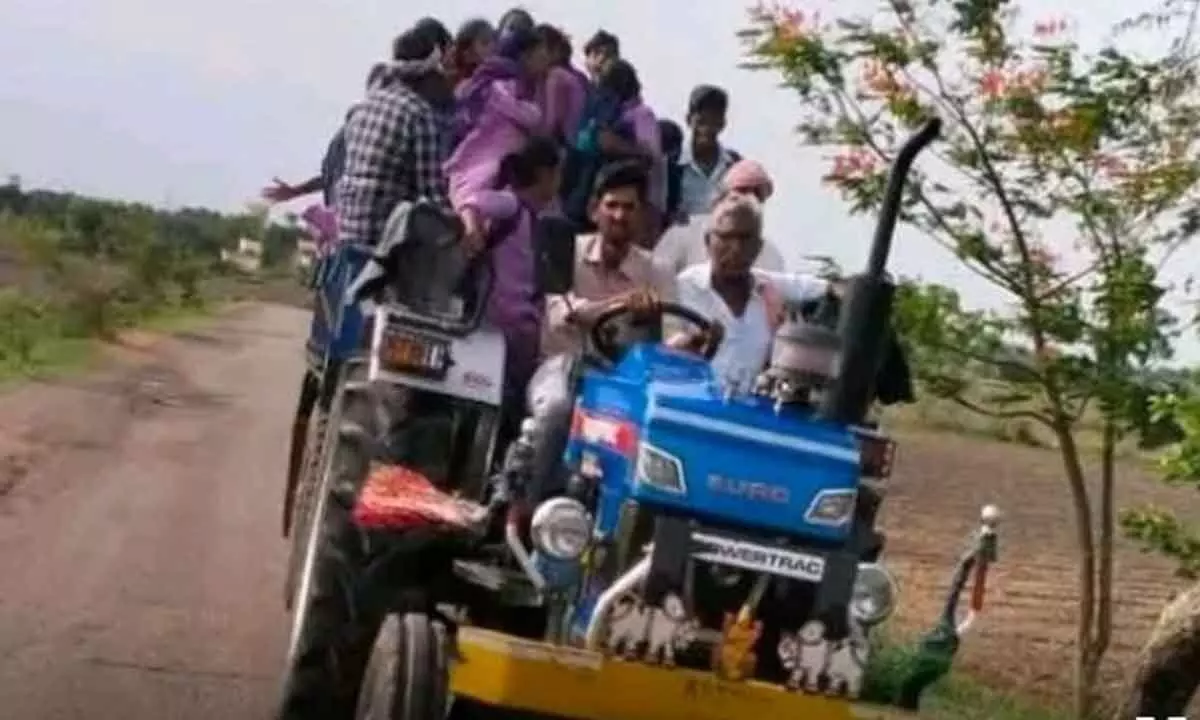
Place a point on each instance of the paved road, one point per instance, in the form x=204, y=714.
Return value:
x=140, y=558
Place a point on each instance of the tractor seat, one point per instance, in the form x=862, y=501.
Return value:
x=395, y=497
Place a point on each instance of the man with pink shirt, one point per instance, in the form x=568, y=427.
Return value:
x=609, y=268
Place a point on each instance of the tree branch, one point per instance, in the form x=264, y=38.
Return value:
x=1015, y=367
x=1002, y=414
x=851, y=112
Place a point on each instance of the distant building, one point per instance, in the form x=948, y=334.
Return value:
x=306, y=253
x=247, y=257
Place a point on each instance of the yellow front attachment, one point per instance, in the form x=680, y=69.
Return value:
x=582, y=685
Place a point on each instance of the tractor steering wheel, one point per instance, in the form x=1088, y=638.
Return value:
x=601, y=338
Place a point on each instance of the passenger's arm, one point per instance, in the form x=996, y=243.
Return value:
x=567, y=313
x=491, y=205
x=279, y=191
x=675, y=330
x=481, y=211
x=795, y=288
x=504, y=102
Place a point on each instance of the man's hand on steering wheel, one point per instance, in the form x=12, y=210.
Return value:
x=698, y=340
x=644, y=305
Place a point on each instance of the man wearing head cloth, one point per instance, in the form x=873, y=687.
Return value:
x=747, y=302
x=683, y=245
x=396, y=142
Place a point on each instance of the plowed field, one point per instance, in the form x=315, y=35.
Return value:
x=1023, y=642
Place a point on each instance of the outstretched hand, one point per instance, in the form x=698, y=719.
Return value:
x=279, y=191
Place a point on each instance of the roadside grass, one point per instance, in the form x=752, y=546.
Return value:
x=48, y=357
x=42, y=340
x=50, y=353
x=96, y=274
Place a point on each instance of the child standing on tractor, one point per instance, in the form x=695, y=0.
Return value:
x=506, y=220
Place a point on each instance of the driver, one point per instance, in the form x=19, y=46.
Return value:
x=610, y=269
x=748, y=302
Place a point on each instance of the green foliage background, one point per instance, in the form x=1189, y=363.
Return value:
x=75, y=268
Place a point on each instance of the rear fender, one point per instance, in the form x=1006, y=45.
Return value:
x=309, y=394
x=476, y=369
x=411, y=570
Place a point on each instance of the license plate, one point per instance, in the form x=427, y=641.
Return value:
x=408, y=352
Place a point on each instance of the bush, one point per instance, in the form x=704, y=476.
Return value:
x=75, y=268
x=23, y=322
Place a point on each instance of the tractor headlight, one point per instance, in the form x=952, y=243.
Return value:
x=832, y=507
x=874, y=595
x=660, y=469
x=561, y=528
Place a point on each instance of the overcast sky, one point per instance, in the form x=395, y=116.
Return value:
x=201, y=103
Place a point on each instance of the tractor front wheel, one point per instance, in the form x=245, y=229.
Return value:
x=407, y=675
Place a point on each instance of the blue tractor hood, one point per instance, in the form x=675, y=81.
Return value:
x=745, y=464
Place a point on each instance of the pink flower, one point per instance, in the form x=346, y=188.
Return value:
x=1045, y=29
x=790, y=23
x=1110, y=165
x=993, y=84
x=1042, y=256
x=853, y=164
x=880, y=79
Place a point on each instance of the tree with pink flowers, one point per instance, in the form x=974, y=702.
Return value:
x=1067, y=179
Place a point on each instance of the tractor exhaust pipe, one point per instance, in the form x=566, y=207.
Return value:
x=866, y=307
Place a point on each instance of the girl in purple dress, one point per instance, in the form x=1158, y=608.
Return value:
x=496, y=112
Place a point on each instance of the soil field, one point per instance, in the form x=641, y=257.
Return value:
x=1023, y=642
